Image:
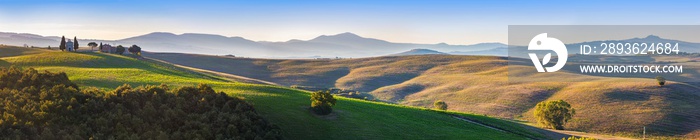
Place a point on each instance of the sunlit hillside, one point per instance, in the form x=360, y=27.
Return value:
x=479, y=84
x=285, y=107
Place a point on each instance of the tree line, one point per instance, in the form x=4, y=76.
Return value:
x=134, y=49
x=47, y=105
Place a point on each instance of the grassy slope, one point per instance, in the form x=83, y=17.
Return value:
x=353, y=119
x=479, y=84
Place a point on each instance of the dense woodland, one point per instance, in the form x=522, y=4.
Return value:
x=46, y=105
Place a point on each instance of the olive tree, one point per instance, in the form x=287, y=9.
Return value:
x=321, y=102
x=553, y=114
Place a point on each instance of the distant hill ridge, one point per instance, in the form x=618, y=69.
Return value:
x=420, y=52
x=339, y=45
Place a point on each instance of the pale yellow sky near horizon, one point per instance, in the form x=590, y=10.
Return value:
x=99, y=32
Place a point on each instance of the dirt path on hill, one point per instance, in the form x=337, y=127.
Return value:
x=550, y=134
x=225, y=75
x=559, y=134
x=466, y=119
x=590, y=135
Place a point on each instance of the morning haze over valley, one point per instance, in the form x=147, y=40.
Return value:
x=324, y=46
x=349, y=70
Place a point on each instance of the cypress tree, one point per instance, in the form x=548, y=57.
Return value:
x=63, y=43
x=75, y=43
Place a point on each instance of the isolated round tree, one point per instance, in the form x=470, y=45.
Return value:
x=553, y=114
x=92, y=45
x=321, y=102
x=441, y=105
x=661, y=80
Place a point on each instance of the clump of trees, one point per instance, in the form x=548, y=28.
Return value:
x=120, y=49
x=47, y=105
x=661, y=80
x=553, y=114
x=13, y=78
x=136, y=50
x=439, y=104
x=322, y=102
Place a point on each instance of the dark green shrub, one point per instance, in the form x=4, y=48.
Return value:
x=439, y=104
x=120, y=49
x=661, y=80
x=322, y=102
x=136, y=50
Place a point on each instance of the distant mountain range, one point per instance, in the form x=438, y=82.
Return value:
x=339, y=45
x=420, y=52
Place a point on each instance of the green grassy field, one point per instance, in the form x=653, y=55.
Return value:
x=352, y=118
x=479, y=84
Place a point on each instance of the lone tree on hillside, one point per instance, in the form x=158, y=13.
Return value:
x=92, y=45
x=135, y=50
x=661, y=80
x=120, y=49
x=63, y=43
x=321, y=102
x=439, y=104
x=554, y=114
x=75, y=43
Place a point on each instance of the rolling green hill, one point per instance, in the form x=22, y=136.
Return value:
x=285, y=107
x=478, y=84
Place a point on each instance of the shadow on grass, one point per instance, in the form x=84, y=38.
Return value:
x=325, y=79
x=4, y=63
x=684, y=117
x=627, y=96
x=404, y=91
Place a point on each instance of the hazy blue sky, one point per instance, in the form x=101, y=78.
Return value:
x=453, y=22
